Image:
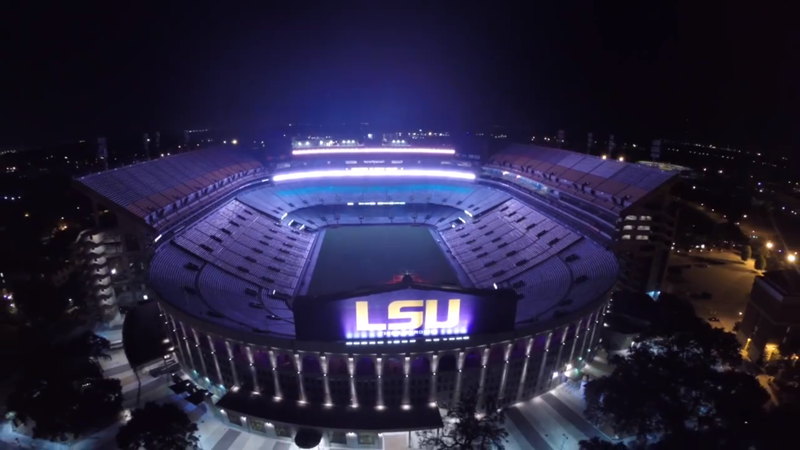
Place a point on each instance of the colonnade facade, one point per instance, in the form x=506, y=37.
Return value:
x=509, y=371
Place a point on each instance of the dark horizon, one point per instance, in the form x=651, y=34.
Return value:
x=717, y=75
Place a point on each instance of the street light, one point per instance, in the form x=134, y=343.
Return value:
x=770, y=245
x=791, y=258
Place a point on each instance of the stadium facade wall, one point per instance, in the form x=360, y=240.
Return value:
x=511, y=367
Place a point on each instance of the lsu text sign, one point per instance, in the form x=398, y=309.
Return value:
x=409, y=317
x=403, y=313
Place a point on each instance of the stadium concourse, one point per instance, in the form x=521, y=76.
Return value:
x=237, y=242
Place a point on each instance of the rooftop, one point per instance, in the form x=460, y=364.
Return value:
x=610, y=184
x=785, y=281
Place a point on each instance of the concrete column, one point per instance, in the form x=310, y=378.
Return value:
x=484, y=360
x=501, y=395
x=216, y=358
x=575, y=340
x=379, y=371
x=177, y=342
x=275, y=378
x=434, y=367
x=256, y=387
x=406, y=371
x=524, y=369
x=595, y=325
x=351, y=367
x=460, y=365
x=298, y=364
x=233, y=365
x=586, y=333
x=323, y=362
x=544, y=360
x=561, y=344
x=197, y=346
x=186, y=344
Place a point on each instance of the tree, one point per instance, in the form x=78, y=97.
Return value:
x=62, y=389
x=787, y=379
x=90, y=345
x=466, y=428
x=596, y=443
x=678, y=382
x=761, y=263
x=158, y=426
x=67, y=408
x=747, y=253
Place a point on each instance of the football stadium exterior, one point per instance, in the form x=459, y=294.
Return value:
x=539, y=237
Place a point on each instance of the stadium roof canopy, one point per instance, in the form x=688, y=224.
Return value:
x=609, y=184
x=161, y=191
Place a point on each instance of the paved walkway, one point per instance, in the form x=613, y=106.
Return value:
x=215, y=435
x=553, y=421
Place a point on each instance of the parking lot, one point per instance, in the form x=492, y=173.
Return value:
x=723, y=275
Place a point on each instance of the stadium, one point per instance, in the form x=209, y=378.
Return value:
x=349, y=292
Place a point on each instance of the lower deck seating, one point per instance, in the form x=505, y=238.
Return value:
x=208, y=292
x=505, y=242
x=240, y=266
x=240, y=240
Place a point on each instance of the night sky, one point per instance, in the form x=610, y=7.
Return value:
x=724, y=73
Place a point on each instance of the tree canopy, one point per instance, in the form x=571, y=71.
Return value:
x=158, y=426
x=62, y=389
x=761, y=263
x=747, y=253
x=466, y=428
x=679, y=383
x=596, y=443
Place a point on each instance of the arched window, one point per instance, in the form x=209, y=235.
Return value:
x=421, y=365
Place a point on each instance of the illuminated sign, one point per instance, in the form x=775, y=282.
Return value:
x=413, y=315
x=400, y=311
